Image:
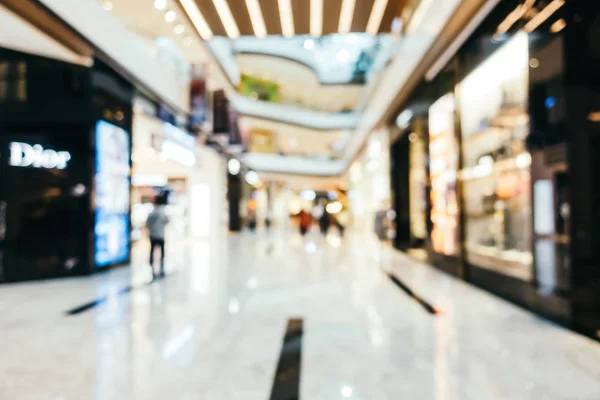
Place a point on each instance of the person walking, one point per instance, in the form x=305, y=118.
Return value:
x=305, y=220
x=156, y=223
x=324, y=222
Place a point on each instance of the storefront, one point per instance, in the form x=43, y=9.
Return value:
x=369, y=197
x=65, y=151
x=496, y=167
x=410, y=181
x=510, y=128
x=425, y=162
x=169, y=162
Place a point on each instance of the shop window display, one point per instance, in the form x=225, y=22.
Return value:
x=112, y=194
x=444, y=158
x=496, y=175
x=417, y=189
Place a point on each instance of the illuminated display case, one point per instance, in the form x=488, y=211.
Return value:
x=496, y=174
x=417, y=181
x=529, y=137
x=112, y=184
x=443, y=168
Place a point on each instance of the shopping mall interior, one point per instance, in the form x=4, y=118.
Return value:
x=299, y=199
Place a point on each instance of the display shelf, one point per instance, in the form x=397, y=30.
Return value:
x=509, y=262
x=510, y=164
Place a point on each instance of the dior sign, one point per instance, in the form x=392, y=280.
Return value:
x=26, y=155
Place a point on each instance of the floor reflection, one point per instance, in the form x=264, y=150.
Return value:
x=212, y=329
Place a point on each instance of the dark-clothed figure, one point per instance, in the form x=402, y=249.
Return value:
x=324, y=222
x=305, y=220
x=156, y=223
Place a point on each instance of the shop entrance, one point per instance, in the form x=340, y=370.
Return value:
x=409, y=185
x=44, y=205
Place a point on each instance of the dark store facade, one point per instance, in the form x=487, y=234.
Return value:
x=64, y=146
x=495, y=169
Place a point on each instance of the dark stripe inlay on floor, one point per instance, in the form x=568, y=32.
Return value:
x=430, y=309
x=286, y=385
x=95, y=303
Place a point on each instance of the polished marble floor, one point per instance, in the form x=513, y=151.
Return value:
x=213, y=329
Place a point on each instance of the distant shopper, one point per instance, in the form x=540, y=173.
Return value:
x=156, y=223
x=305, y=220
x=324, y=222
x=341, y=220
x=340, y=225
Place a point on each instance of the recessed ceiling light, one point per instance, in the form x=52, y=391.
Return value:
x=346, y=391
x=309, y=44
x=160, y=4
x=170, y=16
x=187, y=41
x=342, y=55
x=107, y=5
x=179, y=29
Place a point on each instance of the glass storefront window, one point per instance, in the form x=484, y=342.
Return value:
x=417, y=187
x=443, y=153
x=496, y=176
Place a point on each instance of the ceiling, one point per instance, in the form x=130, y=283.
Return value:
x=298, y=83
x=142, y=18
x=21, y=35
x=236, y=18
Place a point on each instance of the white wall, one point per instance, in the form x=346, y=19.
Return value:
x=369, y=178
x=293, y=114
x=18, y=34
x=107, y=33
x=207, y=194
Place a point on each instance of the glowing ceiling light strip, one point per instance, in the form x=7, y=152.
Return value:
x=197, y=18
x=287, y=17
x=346, y=15
x=514, y=16
x=227, y=19
x=316, y=17
x=558, y=26
x=419, y=15
x=376, y=16
x=256, y=17
x=543, y=15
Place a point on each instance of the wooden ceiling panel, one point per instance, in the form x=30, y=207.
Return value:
x=362, y=12
x=301, y=14
x=270, y=10
x=208, y=10
x=242, y=17
x=301, y=11
x=393, y=10
x=331, y=16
